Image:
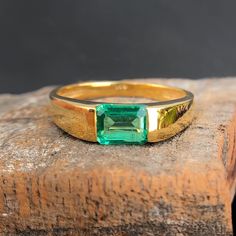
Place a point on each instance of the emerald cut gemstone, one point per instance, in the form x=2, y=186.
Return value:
x=121, y=124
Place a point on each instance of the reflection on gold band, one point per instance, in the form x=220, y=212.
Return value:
x=74, y=112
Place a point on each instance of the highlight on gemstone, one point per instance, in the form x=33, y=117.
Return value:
x=121, y=124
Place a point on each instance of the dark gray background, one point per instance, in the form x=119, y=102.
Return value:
x=56, y=42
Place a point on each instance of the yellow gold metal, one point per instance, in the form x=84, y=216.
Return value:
x=74, y=111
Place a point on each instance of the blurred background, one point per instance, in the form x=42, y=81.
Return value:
x=57, y=42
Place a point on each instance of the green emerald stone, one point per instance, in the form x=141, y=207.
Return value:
x=121, y=124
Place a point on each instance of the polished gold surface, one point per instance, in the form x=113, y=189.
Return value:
x=73, y=107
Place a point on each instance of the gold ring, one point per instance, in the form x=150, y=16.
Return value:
x=75, y=110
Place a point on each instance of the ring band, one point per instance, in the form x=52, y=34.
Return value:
x=74, y=111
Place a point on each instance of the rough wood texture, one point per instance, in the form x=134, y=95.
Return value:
x=53, y=184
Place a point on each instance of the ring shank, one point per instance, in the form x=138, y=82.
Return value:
x=88, y=91
x=74, y=111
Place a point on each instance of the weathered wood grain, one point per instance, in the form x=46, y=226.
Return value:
x=53, y=184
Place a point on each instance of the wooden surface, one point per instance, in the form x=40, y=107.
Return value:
x=53, y=184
